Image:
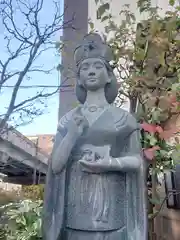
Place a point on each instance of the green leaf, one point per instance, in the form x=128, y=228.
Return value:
x=155, y=26
x=133, y=17
x=176, y=156
x=152, y=139
x=163, y=153
x=104, y=18
x=102, y=9
x=152, y=215
x=155, y=200
x=91, y=24
x=23, y=220
x=162, y=58
x=156, y=113
x=139, y=54
x=144, y=5
x=172, y=2
x=175, y=86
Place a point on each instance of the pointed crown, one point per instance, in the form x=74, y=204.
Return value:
x=92, y=46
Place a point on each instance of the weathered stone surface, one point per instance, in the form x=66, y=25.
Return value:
x=96, y=182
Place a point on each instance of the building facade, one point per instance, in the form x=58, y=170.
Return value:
x=43, y=142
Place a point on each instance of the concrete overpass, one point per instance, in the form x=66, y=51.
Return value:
x=21, y=161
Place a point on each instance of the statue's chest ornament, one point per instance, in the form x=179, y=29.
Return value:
x=93, y=112
x=94, y=108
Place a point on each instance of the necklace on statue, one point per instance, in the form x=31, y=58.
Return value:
x=93, y=112
x=95, y=108
x=92, y=108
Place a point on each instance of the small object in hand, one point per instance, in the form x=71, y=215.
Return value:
x=97, y=157
x=88, y=155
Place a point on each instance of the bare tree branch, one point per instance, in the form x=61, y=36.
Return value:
x=8, y=61
x=40, y=95
x=31, y=40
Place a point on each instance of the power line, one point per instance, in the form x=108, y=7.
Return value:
x=40, y=86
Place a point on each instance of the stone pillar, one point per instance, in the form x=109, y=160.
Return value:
x=78, y=9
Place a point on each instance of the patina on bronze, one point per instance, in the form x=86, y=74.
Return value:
x=95, y=187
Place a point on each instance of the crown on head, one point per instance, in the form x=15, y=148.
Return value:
x=92, y=46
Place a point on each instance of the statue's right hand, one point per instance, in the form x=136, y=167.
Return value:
x=77, y=123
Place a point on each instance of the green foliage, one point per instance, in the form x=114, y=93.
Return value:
x=21, y=220
x=172, y=2
x=33, y=192
x=6, y=198
x=101, y=10
x=146, y=60
x=144, y=5
x=176, y=154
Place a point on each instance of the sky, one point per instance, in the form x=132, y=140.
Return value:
x=47, y=123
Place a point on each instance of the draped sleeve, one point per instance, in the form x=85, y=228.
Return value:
x=136, y=192
x=54, y=197
x=128, y=145
x=125, y=152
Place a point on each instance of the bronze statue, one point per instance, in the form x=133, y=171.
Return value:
x=95, y=186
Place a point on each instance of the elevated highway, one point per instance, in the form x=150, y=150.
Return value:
x=21, y=161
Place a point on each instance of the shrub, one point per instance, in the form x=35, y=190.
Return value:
x=33, y=192
x=21, y=220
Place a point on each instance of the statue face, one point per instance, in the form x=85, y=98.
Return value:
x=93, y=74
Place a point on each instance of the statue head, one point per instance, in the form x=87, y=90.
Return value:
x=94, y=72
